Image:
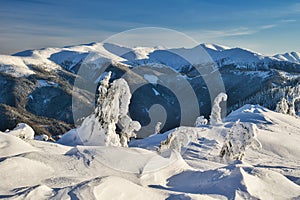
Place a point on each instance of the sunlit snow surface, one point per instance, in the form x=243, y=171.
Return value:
x=31, y=169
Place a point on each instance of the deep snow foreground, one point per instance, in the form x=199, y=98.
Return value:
x=31, y=169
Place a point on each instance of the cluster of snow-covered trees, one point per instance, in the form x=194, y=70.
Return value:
x=280, y=99
x=216, y=112
x=287, y=103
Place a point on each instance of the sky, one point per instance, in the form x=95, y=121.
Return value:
x=268, y=27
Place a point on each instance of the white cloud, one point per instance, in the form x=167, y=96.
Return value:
x=223, y=33
x=287, y=20
x=269, y=26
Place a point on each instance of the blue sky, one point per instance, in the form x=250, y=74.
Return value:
x=265, y=26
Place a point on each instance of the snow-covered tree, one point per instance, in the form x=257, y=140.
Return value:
x=215, y=116
x=200, y=121
x=293, y=94
x=111, y=110
x=282, y=106
x=238, y=139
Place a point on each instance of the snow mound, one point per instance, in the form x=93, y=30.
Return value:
x=11, y=146
x=110, y=187
x=234, y=181
x=109, y=190
x=250, y=113
x=22, y=131
x=34, y=193
x=20, y=172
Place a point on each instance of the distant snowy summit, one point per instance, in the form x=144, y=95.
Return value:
x=68, y=57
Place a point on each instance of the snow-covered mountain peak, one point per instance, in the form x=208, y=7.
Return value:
x=214, y=47
x=293, y=57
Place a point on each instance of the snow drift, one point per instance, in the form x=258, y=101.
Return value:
x=33, y=169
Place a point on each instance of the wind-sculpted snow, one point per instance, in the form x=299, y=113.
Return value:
x=33, y=169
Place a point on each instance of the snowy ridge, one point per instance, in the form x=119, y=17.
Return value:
x=99, y=53
x=293, y=57
x=214, y=47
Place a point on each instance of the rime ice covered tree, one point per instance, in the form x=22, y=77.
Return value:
x=238, y=138
x=282, y=106
x=215, y=116
x=112, y=109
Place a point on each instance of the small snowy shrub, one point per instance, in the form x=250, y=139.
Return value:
x=200, y=121
x=238, y=139
x=42, y=137
x=177, y=141
x=171, y=143
x=215, y=116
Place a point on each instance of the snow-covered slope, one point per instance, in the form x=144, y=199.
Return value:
x=42, y=170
